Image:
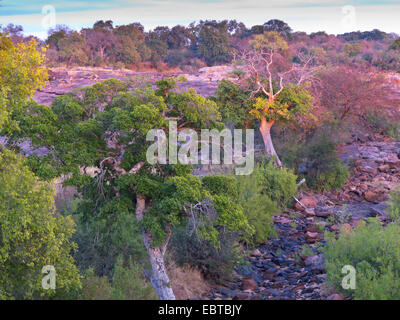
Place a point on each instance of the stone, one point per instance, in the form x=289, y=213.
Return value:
x=298, y=207
x=384, y=168
x=249, y=284
x=371, y=196
x=336, y=296
x=335, y=228
x=309, y=212
x=256, y=253
x=309, y=201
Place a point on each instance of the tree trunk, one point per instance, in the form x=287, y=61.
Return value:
x=159, y=279
x=265, y=129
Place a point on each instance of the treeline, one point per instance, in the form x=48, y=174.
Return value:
x=204, y=43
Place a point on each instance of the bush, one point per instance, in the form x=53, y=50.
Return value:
x=326, y=171
x=395, y=204
x=278, y=185
x=374, y=252
x=215, y=264
x=95, y=288
x=258, y=207
x=128, y=283
x=383, y=125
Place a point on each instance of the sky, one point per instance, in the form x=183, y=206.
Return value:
x=332, y=16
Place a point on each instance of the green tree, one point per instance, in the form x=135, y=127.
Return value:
x=214, y=42
x=274, y=86
x=395, y=45
x=32, y=235
x=113, y=139
x=73, y=49
x=21, y=74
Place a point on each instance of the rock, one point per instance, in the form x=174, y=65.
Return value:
x=384, y=168
x=309, y=212
x=298, y=207
x=313, y=260
x=241, y=296
x=249, y=284
x=309, y=201
x=346, y=228
x=256, y=253
x=371, y=196
x=335, y=228
x=336, y=296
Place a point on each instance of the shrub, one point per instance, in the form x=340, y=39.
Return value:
x=374, y=252
x=278, y=185
x=95, y=288
x=383, y=124
x=326, y=171
x=187, y=282
x=128, y=283
x=395, y=204
x=257, y=207
x=215, y=264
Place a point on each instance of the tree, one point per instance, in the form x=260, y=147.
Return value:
x=21, y=74
x=33, y=236
x=279, y=26
x=395, y=45
x=275, y=86
x=114, y=141
x=348, y=92
x=73, y=49
x=100, y=38
x=132, y=47
x=214, y=42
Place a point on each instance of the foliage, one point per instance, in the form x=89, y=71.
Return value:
x=269, y=40
x=216, y=264
x=395, y=204
x=395, y=45
x=214, y=41
x=325, y=171
x=258, y=207
x=21, y=74
x=128, y=283
x=374, y=251
x=278, y=185
x=33, y=236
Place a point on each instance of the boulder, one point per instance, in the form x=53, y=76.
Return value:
x=309, y=201
x=249, y=284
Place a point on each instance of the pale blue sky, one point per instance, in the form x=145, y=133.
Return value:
x=301, y=15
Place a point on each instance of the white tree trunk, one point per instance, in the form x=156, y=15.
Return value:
x=265, y=130
x=159, y=279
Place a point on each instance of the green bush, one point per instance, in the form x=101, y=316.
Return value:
x=278, y=185
x=94, y=287
x=258, y=207
x=374, y=251
x=326, y=171
x=216, y=264
x=395, y=204
x=128, y=283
